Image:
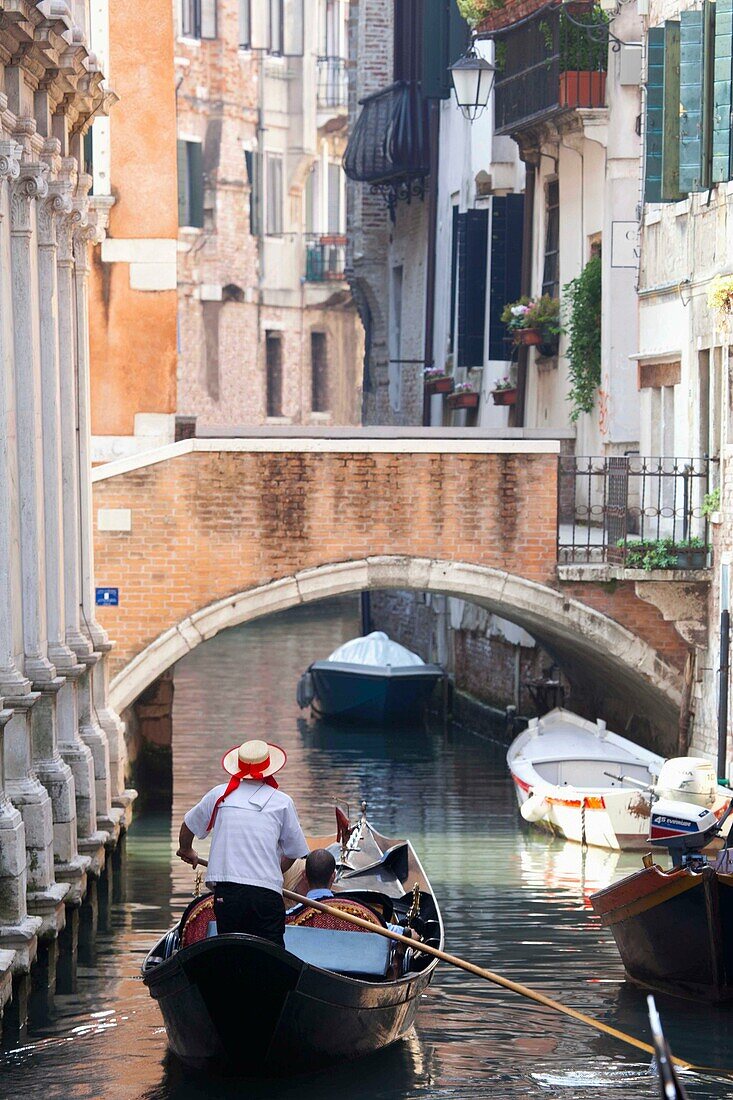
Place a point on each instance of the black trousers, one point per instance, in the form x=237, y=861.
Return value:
x=249, y=909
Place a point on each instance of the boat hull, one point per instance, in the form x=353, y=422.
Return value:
x=669, y=929
x=240, y=1001
x=377, y=696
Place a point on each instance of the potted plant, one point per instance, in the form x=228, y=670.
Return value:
x=534, y=321
x=649, y=554
x=464, y=396
x=437, y=380
x=720, y=299
x=504, y=392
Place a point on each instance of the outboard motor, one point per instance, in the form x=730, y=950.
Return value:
x=687, y=779
x=685, y=829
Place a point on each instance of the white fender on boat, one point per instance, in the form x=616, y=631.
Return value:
x=535, y=808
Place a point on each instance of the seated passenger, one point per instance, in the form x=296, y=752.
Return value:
x=320, y=870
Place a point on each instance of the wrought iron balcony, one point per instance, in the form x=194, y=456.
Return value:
x=389, y=147
x=333, y=86
x=639, y=513
x=325, y=258
x=549, y=63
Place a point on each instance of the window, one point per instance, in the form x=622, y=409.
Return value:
x=335, y=224
x=334, y=30
x=274, y=195
x=253, y=162
x=197, y=18
x=429, y=35
x=211, y=312
x=473, y=243
x=507, y=230
x=311, y=199
x=319, y=372
x=190, y=184
x=274, y=366
x=245, y=24
x=276, y=27
x=551, y=273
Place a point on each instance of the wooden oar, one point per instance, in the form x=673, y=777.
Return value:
x=480, y=972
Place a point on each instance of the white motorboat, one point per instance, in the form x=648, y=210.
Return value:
x=579, y=780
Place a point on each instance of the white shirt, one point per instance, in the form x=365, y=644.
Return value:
x=254, y=826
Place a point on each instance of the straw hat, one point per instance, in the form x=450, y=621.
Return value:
x=254, y=759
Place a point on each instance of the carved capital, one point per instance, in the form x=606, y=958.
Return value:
x=50, y=211
x=31, y=184
x=10, y=152
x=68, y=225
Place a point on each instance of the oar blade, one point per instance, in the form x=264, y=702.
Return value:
x=671, y=1088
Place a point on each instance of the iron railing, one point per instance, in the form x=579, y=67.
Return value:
x=325, y=258
x=333, y=88
x=547, y=63
x=389, y=144
x=640, y=513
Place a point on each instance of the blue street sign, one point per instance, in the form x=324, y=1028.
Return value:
x=108, y=597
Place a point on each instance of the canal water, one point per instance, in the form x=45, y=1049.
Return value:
x=513, y=900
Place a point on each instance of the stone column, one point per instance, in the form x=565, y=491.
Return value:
x=73, y=749
x=52, y=770
x=45, y=896
x=91, y=730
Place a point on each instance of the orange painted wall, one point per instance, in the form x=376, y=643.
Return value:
x=132, y=332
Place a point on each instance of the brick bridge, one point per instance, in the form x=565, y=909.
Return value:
x=209, y=533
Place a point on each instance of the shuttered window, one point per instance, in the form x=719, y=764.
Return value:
x=654, y=115
x=197, y=18
x=671, y=113
x=696, y=41
x=190, y=184
x=505, y=285
x=335, y=224
x=551, y=270
x=444, y=39
x=722, y=78
x=254, y=170
x=274, y=195
x=208, y=18
x=473, y=240
x=245, y=24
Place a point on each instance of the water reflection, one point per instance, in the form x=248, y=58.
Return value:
x=513, y=900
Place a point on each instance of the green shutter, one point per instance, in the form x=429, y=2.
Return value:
x=196, y=184
x=695, y=38
x=654, y=115
x=722, y=76
x=445, y=36
x=671, y=113
x=182, y=183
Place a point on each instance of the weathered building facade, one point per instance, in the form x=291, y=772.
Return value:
x=62, y=800
x=267, y=328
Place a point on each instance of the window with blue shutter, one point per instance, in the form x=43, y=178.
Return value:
x=654, y=115
x=722, y=78
x=505, y=283
x=445, y=37
x=671, y=113
x=473, y=239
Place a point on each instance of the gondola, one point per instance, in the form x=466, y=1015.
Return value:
x=331, y=994
x=370, y=680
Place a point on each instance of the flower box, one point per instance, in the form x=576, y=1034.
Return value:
x=532, y=337
x=504, y=397
x=439, y=385
x=463, y=400
x=582, y=89
x=692, y=559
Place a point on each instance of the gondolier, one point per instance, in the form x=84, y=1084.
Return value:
x=256, y=836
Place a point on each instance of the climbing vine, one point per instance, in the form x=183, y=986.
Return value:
x=583, y=297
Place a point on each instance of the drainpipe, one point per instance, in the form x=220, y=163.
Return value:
x=724, y=674
x=527, y=248
x=434, y=132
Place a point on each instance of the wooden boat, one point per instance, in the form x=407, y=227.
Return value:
x=371, y=680
x=672, y=927
x=559, y=766
x=331, y=994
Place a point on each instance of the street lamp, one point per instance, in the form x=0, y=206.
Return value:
x=473, y=79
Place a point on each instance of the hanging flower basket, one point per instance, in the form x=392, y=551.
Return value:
x=439, y=385
x=505, y=396
x=466, y=400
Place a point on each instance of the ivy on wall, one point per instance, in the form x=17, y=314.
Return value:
x=583, y=303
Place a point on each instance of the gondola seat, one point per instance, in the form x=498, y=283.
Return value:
x=365, y=956
x=314, y=918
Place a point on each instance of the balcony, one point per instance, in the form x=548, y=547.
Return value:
x=389, y=147
x=548, y=64
x=333, y=89
x=325, y=259
x=634, y=513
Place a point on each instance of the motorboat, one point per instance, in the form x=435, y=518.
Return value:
x=331, y=994
x=672, y=926
x=579, y=780
x=371, y=680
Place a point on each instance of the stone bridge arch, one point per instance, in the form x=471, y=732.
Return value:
x=566, y=626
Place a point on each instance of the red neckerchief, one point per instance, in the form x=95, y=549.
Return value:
x=246, y=771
